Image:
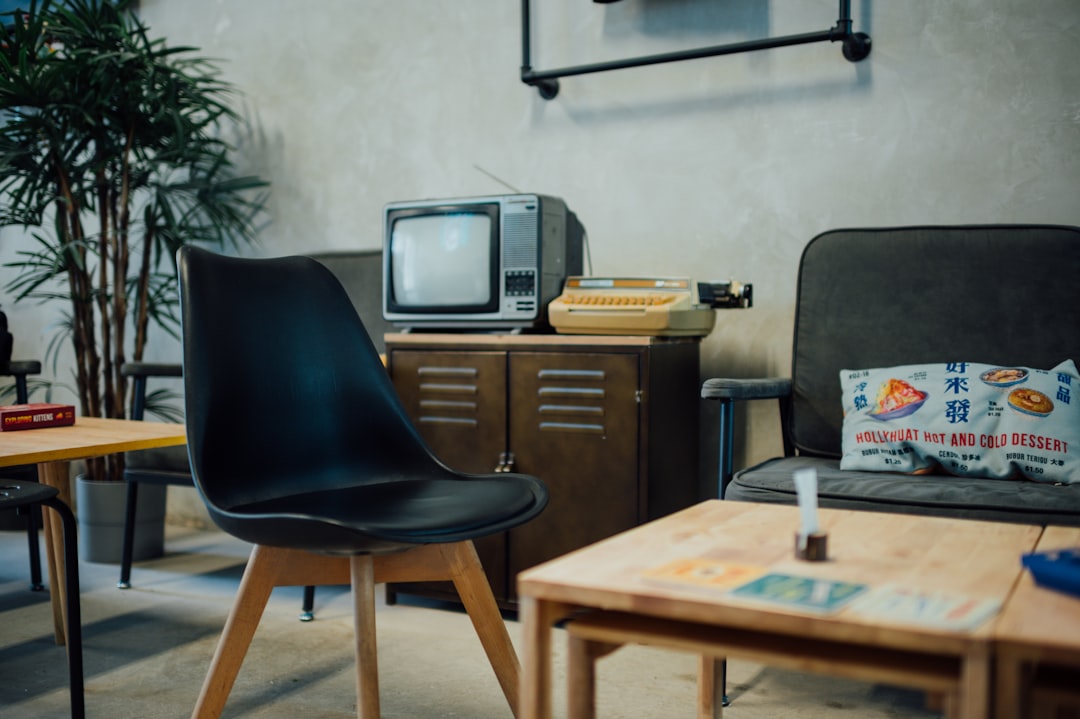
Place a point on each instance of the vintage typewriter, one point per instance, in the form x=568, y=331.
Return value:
x=658, y=306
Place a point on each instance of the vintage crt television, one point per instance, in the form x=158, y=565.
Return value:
x=478, y=263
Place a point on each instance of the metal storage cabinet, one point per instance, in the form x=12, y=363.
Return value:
x=610, y=424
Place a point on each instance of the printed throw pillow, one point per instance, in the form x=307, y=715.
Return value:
x=971, y=420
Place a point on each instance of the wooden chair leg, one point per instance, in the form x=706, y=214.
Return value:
x=367, y=662
x=475, y=594
x=255, y=587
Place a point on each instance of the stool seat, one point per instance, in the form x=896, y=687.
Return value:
x=22, y=494
x=15, y=494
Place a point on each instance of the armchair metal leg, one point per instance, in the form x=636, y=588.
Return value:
x=727, y=445
x=129, y=536
x=307, y=611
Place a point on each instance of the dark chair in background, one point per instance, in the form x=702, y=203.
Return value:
x=22, y=495
x=160, y=466
x=26, y=473
x=360, y=272
x=300, y=445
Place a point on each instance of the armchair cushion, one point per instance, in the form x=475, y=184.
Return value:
x=968, y=419
x=961, y=497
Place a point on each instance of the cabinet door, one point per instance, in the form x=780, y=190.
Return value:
x=574, y=423
x=458, y=402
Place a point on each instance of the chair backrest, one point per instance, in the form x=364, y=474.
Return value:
x=283, y=384
x=360, y=273
x=996, y=294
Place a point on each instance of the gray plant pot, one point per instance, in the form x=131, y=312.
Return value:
x=100, y=508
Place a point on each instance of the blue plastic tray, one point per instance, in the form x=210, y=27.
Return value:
x=1059, y=569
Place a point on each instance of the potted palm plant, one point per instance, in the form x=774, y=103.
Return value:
x=112, y=155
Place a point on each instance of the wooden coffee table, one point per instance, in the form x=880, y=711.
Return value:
x=605, y=589
x=1038, y=641
x=53, y=449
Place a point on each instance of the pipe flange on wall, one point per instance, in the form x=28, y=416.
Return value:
x=857, y=46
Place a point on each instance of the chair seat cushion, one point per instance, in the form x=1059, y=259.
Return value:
x=939, y=495
x=402, y=512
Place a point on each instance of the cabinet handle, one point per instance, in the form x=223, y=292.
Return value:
x=506, y=463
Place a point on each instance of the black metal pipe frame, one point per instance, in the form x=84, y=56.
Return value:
x=856, y=48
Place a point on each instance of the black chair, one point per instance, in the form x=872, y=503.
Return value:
x=360, y=272
x=21, y=370
x=32, y=495
x=300, y=445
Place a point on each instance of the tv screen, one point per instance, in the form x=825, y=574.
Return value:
x=442, y=259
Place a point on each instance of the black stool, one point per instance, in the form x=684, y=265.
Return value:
x=18, y=495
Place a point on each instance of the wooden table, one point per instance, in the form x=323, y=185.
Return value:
x=980, y=560
x=53, y=448
x=1039, y=630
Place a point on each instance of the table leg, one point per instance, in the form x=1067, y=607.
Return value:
x=581, y=678
x=581, y=657
x=55, y=474
x=711, y=683
x=974, y=694
x=1009, y=681
x=537, y=617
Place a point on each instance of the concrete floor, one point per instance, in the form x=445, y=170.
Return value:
x=148, y=648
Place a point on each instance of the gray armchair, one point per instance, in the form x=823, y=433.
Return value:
x=883, y=297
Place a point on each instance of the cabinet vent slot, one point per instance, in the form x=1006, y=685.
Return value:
x=455, y=388
x=447, y=371
x=435, y=404
x=467, y=421
x=570, y=409
x=588, y=392
x=564, y=374
x=571, y=427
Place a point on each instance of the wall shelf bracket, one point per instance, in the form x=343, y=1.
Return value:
x=856, y=47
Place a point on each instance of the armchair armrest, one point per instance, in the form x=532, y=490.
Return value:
x=724, y=388
x=20, y=370
x=726, y=391
x=152, y=369
x=139, y=372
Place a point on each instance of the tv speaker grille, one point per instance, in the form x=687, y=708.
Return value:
x=519, y=240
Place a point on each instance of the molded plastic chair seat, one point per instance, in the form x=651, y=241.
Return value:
x=299, y=444
x=383, y=516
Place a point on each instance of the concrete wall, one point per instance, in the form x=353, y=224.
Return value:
x=966, y=111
